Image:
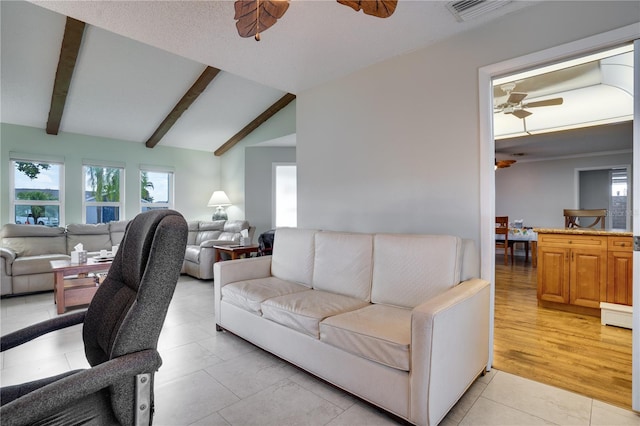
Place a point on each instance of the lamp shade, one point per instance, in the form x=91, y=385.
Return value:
x=218, y=198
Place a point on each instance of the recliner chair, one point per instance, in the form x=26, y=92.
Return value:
x=121, y=328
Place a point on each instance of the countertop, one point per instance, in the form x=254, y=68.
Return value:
x=585, y=231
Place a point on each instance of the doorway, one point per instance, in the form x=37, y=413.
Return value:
x=608, y=188
x=487, y=154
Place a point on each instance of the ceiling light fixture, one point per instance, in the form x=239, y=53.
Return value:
x=254, y=16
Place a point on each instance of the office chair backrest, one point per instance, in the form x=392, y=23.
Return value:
x=128, y=310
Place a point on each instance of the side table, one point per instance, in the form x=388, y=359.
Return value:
x=235, y=251
x=79, y=291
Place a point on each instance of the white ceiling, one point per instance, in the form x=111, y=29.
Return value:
x=597, y=93
x=138, y=58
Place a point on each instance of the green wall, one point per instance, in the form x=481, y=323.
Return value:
x=197, y=173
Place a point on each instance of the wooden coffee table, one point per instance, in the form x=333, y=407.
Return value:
x=78, y=290
x=235, y=251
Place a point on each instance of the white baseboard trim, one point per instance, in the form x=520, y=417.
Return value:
x=614, y=314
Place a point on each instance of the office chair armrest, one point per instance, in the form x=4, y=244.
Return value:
x=62, y=393
x=24, y=335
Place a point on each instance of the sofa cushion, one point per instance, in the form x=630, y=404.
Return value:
x=304, y=310
x=235, y=226
x=380, y=333
x=192, y=227
x=343, y=263
x=93, y=236
x=116, y=231
x=205, y=231
x=27, y=265
x=208, y=234
x=409, y=269
x=34, y=240
x=293, y=255
x=250, y=294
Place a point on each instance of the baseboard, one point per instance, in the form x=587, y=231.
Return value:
x=618, y=315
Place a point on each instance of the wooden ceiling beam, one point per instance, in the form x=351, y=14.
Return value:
x=73, y=32
x=183, y=104
x=267, y=114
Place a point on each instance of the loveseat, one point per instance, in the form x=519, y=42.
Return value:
x=26, y=251
x=400, y=321
x=200, y=255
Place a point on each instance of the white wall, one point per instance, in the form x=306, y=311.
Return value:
x=395, y=147
x=538, y=191
x=197, y=173
x=259, y=183
x=232, y=176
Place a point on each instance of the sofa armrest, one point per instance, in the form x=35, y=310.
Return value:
x=8, y=256
x=449, y=348
x=231, y=271
x=241, y=269
x=211, y=243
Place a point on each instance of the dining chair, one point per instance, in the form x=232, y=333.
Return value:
x=502, y=228
x=572, y=217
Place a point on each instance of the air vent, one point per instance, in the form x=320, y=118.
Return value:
x=465, y=10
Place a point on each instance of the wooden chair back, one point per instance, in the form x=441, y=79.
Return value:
x=502, y=228
x=572, y=217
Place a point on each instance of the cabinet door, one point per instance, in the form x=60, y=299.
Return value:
x=620, y=279
x=553, y=274
x=588, y=282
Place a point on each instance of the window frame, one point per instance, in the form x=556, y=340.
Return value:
x=171, y=187
x=121, y=189
x=29, y=158
x=274, y=200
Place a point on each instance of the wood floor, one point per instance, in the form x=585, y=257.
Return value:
x=569, y=351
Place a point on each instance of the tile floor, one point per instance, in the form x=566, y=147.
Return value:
x=211, y=378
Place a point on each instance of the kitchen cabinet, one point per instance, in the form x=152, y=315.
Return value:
x=580, y=268
x=572, y=270
x=620, y=270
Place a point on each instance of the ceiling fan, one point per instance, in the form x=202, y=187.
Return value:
x=254, y=16
x=514, y=105
x=503, y=164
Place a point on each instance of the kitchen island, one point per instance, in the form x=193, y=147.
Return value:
x=583, y=270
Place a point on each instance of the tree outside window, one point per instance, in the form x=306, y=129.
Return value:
x=102, y=200
x=36, y=192
x=156, y=190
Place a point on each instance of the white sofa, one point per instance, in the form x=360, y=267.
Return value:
x=397, y=320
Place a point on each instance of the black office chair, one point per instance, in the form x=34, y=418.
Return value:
x=120, y=331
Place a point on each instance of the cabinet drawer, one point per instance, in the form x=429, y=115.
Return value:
x=620, y=243
x=565, y=240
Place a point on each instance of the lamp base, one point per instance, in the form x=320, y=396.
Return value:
x=219, y=214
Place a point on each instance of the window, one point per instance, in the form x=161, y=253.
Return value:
x=285, y=195
x=36, y=192
x=103, y=193
x=156, y=190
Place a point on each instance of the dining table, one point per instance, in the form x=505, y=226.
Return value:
x=529, y=238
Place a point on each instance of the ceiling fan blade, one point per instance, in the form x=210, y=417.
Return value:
x=520, y=113
x=546, y=102
x=378, y=8
x=255, y=16
x=502, y=164
x=516, y=97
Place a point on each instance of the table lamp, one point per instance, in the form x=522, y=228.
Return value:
x=219, y=200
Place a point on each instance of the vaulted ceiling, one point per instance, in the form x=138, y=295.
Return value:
x=176, y=73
